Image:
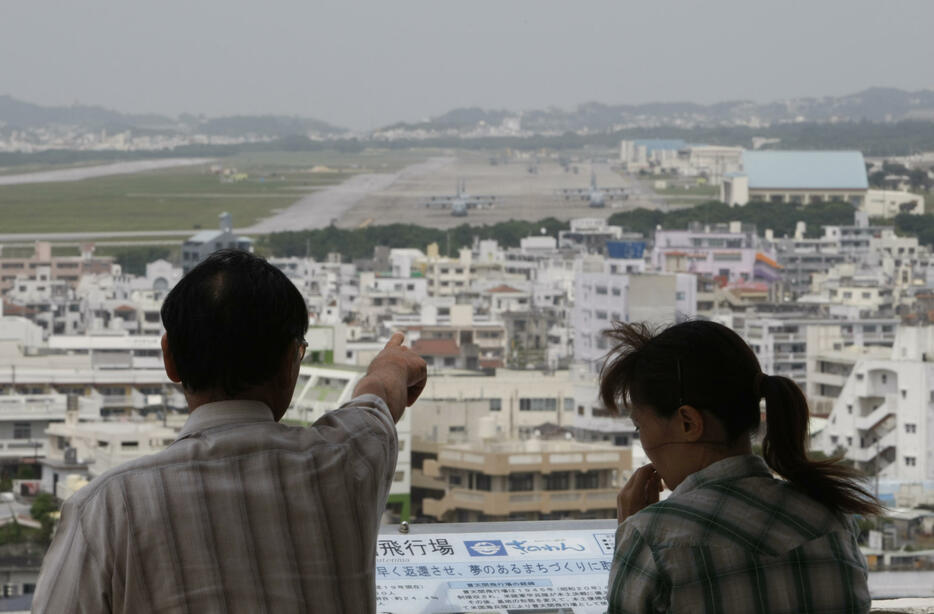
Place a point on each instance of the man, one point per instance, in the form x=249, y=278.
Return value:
x=240, y=513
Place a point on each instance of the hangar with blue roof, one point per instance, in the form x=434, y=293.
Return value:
x=804, y=177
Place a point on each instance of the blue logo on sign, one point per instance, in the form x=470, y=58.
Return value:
x=487, y=547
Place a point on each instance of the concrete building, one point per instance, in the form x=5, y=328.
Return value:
x=589, y=235
x=731, y=252
x=525, y=480
x=605, y=296
x=204, y=243
x=783, y=344
x=98, y=445
x=803, y=177
x=68, y=269
x=479, y=340
x=889, y=203
x=883, y=418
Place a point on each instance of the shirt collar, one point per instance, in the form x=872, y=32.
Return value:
x=732, y=468
x=222, y=413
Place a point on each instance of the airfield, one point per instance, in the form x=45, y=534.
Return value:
x=114, y=205
x=519, y=194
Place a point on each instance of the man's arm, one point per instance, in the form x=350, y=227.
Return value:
x=397, y=375
x=72, y=578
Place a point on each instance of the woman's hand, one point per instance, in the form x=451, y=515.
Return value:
x=641, y=490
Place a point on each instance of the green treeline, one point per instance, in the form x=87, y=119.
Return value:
x=780, y=217
x=359, y=242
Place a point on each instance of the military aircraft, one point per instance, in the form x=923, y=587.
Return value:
x=461, y=202
x=595, y=196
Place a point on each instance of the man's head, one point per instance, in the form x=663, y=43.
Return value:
x=234, y=324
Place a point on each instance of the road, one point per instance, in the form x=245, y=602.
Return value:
x=103, y=170
x=327, y=206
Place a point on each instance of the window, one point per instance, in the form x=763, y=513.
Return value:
x=496, y=404
x=679, y=296
x=538, y=404
x=587, y=480
x=398, y=476
x=482, y=482
x=22, y=430
x=911, y=428
x=568, y=404
x=521, y=482
x=885, y=378
x=616, y=291
x=455, y=480
x=910, y=461
x=560, y=480
x=601, y=290
x=600, y=315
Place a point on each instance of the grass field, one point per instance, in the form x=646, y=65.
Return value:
x=700, y=190
x=184, y=198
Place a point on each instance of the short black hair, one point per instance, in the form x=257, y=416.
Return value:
x=230, y=320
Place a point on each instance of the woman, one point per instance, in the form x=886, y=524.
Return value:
x=731, y=537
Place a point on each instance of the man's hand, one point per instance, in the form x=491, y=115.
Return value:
x=640, y=491
x=397, y=375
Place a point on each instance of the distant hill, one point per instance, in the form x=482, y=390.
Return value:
x=875, y=104
x=17, y=114
x=20, y=114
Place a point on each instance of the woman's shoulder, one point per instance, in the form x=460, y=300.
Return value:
x=756, y=512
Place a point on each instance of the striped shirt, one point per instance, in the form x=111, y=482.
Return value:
x=239, y=514
x=731, y=538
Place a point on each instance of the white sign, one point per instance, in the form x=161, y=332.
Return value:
x=494, y=573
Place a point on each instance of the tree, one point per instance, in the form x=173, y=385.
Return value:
x=42, y=506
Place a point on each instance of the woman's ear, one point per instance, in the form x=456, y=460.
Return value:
x=691, y=423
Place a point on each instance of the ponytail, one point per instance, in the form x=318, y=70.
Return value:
x=784, y=448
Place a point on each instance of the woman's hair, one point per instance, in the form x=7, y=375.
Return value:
x=708, y=366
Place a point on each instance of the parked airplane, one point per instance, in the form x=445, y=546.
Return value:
x=461, y=202
x=595, y=196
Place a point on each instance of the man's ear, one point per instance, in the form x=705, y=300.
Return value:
x=169, y=361
x=691, y=423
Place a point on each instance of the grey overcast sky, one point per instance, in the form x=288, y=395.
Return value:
x=371, y=62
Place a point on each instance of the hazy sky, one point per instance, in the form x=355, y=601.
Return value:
x=364, y=64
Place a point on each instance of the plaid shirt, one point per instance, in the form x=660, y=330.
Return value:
x=731, y=538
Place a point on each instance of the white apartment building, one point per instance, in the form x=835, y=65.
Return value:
x=883, y=418
x=97, y=446
x=783, y=344
x=24, y=419
x=604, y=296
x=513, y=403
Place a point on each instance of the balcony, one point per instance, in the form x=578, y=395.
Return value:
x=505, y=503
x=21, y=448
x=542, y=462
